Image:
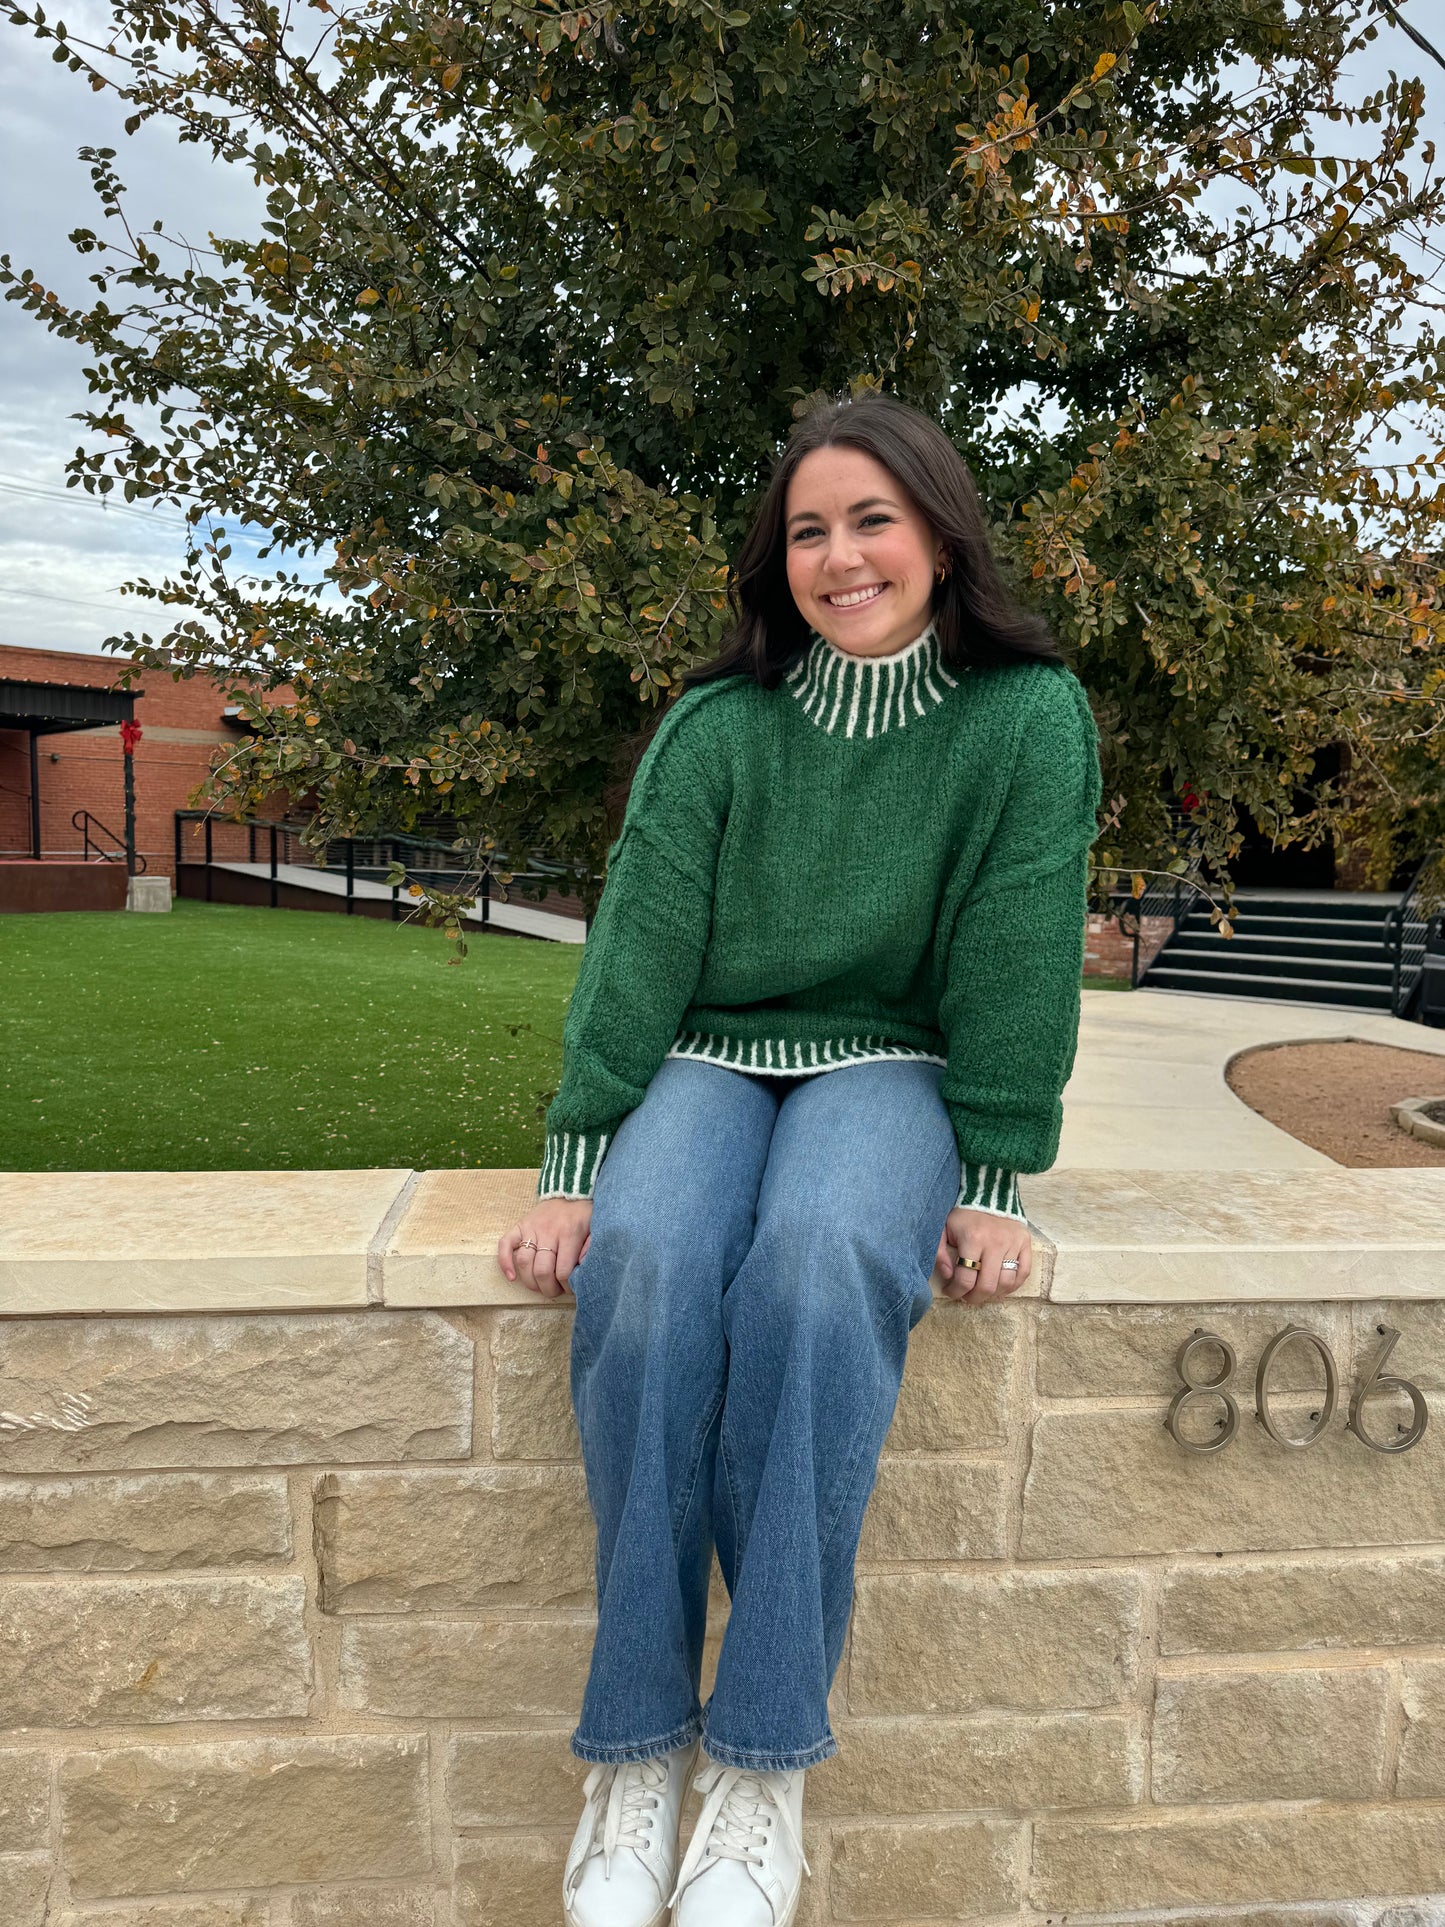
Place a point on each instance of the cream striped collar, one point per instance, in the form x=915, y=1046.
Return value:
x=868, y=695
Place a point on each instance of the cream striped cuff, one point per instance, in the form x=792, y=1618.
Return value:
x=989, y=1187
x=570, y=1161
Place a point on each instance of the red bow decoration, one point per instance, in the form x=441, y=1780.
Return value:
x=129, y=736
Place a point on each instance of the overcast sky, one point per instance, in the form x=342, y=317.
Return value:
x=61, y=555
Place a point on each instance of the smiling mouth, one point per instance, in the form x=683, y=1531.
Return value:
x=855, y=598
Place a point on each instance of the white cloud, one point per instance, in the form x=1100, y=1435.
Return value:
x=61, y=554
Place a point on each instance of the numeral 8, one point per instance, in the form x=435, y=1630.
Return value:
x=1203, y=1388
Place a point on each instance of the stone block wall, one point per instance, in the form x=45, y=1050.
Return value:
x=295, y=1614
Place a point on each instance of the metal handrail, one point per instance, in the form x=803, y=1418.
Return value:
x=83, y=821
x=1173, y=900
x=1406, y=953
x=1167, y=897
x=357, y=856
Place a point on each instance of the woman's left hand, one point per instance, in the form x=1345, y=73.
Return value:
x=991, y=1239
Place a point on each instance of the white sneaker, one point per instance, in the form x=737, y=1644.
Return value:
x=624, y=1853
x=745, y=1863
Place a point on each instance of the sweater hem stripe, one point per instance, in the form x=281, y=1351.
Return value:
x=776, y=1056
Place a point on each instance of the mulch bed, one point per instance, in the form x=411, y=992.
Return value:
x=1337, y=1097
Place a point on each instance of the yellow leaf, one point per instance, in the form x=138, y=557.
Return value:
x=368, y=298
x=1103, y=65
x=452, y=75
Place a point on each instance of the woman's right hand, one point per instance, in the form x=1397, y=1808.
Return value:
x=560, y=1229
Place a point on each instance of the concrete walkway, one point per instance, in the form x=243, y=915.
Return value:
x=1148, y=1089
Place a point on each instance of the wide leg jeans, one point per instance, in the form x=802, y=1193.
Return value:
x=761, y=1249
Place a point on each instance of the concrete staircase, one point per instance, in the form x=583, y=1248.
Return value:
x=1307, y=946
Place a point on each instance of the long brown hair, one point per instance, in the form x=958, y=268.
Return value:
x=975, y=617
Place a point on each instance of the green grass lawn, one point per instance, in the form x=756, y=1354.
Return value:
x=220, y=1038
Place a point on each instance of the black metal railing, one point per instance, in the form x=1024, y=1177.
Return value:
x=1406, y=928
x=207, y=841
x=1167, y=898
x=1170, y=898
x=97, y=837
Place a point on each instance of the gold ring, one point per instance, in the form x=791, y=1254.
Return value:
x=970, y=1264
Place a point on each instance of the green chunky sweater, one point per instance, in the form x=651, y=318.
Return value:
x=881, y=858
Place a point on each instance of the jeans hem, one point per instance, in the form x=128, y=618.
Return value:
x=754, y=1759
x=598, y=1754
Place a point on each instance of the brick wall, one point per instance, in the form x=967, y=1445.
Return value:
x=182, y=730
x=295, y=1613
x=1109, y=953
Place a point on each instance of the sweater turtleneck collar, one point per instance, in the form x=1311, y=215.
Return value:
x=866, y=695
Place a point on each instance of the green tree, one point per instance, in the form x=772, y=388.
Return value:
x=540, y=286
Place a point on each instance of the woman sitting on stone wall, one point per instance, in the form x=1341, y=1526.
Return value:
x=823, y=1017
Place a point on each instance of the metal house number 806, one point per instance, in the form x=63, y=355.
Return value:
x=1195, y=1388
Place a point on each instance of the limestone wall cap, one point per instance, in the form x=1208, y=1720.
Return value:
x=187, y=1241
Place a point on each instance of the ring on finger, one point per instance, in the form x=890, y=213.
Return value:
x=970, y=1264
x=1009, y=1264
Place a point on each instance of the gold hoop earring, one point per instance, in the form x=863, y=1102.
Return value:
x=940, y=574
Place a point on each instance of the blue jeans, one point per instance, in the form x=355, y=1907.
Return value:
x=761, y=1250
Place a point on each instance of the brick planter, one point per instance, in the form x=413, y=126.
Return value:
x=55, y=884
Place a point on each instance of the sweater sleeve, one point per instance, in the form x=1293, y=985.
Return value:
x=644, y=951
x=1010, y=1009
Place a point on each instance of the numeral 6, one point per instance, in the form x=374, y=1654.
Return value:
x=1375, y=1383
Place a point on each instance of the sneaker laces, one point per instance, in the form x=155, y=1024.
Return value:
x=733, y=1821
x=622, y=1821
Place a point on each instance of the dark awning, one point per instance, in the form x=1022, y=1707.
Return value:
x=47, y=708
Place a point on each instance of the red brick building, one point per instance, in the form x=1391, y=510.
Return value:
x=184, y=729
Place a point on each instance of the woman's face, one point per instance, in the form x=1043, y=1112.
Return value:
x=861, y=556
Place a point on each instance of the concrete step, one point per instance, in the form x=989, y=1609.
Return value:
x=1284, y=944
x=1239, y=983
x=1328, y=904
x=1369, y=930
x=1277, y=963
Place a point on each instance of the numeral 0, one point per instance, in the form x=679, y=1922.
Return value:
x=1228, y=1425
x=1261, y=1385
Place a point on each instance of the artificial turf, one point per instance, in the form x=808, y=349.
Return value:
x=222, y=1038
